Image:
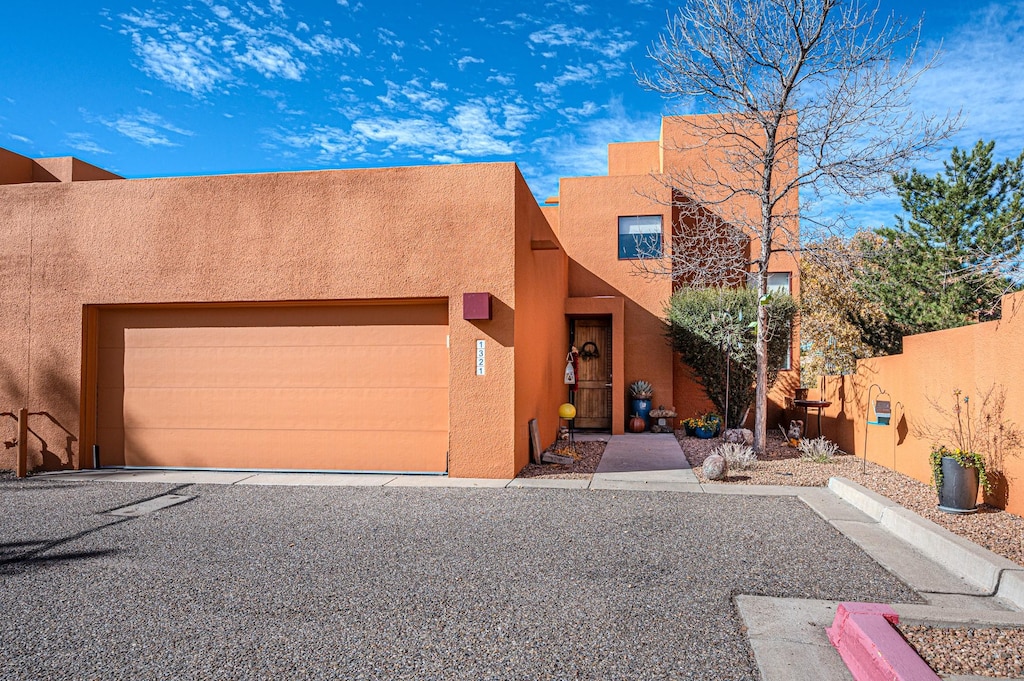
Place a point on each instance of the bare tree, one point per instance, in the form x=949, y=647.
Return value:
x=794, y=95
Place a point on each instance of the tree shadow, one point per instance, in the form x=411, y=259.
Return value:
x=17, y=556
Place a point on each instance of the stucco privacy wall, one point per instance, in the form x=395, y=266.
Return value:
x=541, y=332
x=319, y=236
x=973, y=359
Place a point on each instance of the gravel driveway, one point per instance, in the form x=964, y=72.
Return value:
x=404, y=583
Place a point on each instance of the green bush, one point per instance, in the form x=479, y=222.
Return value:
x=700, y=323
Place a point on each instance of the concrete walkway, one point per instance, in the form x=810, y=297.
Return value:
x=961, y=583
x=642, y=461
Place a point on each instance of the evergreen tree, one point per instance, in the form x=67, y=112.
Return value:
x=957, y=251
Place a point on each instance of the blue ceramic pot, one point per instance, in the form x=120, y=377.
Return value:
x=705, y=433
x=641, y=408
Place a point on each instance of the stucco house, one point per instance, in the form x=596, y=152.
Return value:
x=407, y=319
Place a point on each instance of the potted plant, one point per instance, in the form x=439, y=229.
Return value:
x=957, y=475
x=641, y=392
x=704, y=426
x=958, y=472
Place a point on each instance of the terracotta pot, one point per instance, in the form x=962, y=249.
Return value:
x=637, y=425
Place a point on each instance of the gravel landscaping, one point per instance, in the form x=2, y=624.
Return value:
x=586, y=456
x=253, y=582
x=993, y=528
x=982, y=652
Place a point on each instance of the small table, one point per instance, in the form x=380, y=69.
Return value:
x=812, y=404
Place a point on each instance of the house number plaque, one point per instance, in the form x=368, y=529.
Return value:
x=481, y=357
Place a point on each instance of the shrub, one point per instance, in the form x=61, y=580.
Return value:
x=738, y=456
x=700, y=321
x=818, y=450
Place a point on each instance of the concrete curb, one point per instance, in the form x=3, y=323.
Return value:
x=996, y=575
x=872, y=649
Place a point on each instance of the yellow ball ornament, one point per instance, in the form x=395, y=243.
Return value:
x=567, y=411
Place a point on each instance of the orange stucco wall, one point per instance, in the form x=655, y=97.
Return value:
x=634, y=158
x=17, y=169
x=588, y=228
x=590, y=208
x=972, y=359
x=340, y=236
x=541, y=332
x=329, y=235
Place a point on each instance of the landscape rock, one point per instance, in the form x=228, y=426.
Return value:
x=739, y=436
x=715, y=467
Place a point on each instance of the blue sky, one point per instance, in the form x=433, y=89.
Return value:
x=152, y=88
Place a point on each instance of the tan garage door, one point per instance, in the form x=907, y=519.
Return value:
x=332, y=387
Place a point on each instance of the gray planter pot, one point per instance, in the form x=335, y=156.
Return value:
x=959, y=491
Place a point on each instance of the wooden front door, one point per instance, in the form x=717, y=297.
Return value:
x=594, y=382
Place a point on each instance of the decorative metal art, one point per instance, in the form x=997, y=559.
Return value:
x=589, y=350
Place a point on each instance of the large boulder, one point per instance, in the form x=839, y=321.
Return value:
x=739, y=436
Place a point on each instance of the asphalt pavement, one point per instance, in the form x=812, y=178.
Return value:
x=250, y=581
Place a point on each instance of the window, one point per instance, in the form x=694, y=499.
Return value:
x=639, y=237
x=787, y=360
x=778, y=282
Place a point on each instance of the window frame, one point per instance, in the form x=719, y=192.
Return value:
x=639, y=239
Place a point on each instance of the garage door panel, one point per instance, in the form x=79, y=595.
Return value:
x=296, y=322
x=362, y=387
x=304, y=450
x=274, y=366
x=318, y=408
x=220, y=336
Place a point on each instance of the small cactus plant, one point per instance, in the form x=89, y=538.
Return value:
x=737, y=456
x=641, y=390
x=818, y=450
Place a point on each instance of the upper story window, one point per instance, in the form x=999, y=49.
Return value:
x=639, y=237
x=778, y=282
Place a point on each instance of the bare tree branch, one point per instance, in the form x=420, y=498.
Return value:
x=792, y=95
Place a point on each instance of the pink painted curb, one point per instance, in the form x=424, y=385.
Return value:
x=872, y=648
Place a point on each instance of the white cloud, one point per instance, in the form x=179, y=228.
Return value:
x=273, y=60
x=180, y=65
x=611, y=45
x=330, y=142
x=584, y=151
x=572, y=74
x=501, y=79
x=195, y=53
x=412, y=133
x=478, y=134
x=83, y=141
x=19, y=138
x=146, y=128
x=389, y=38
x=463, y=61
x=978, y=70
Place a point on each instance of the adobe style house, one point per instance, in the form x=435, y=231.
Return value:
x=407, y=319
